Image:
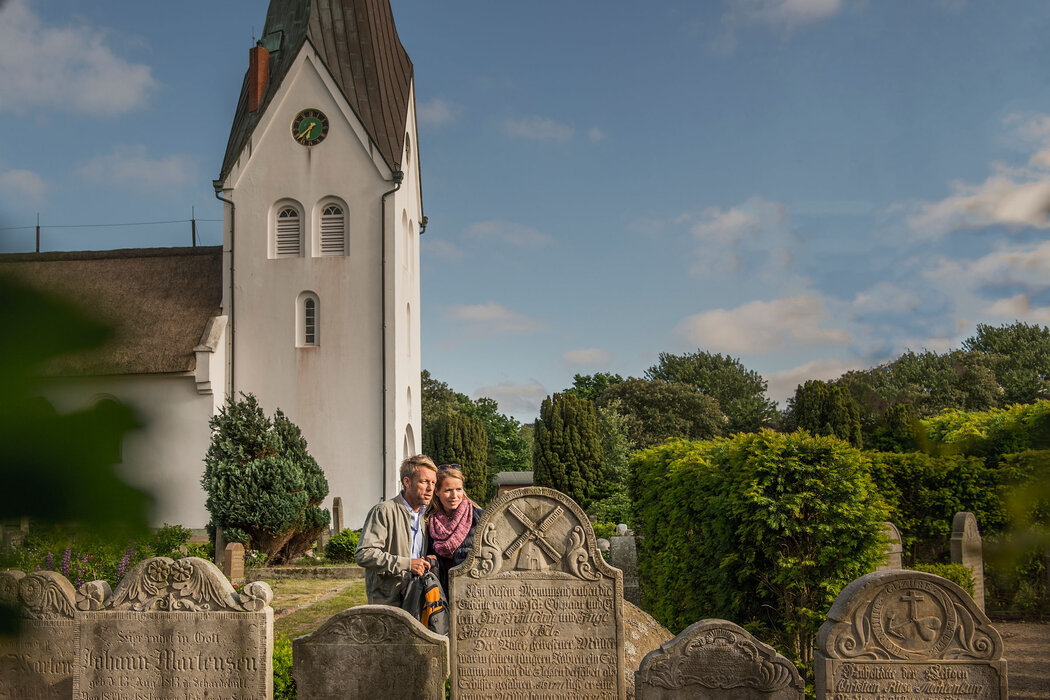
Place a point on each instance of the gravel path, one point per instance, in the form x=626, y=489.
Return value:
x=1028, y=658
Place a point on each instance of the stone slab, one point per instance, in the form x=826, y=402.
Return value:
x=537, y=613
x=233, y=561
x=371, y=651
x=968, y=550
x=892, y=554
x=717, y=660
x=38, y=663
x=908, y=634
x=337, y=515
x=623, y=554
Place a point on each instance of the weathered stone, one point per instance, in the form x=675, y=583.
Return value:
x=371, y=651
x=623, y=554
x=337, y=515
x=603, y=544
x=908, y=634
x=717, y=660
x=233, y=561
x=174, y=629
x=536, y=611
x=642, y=634
x=968, y=550
x=38, y=663
x=621, y=529
x=892, y=554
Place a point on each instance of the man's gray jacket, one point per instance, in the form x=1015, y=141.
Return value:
x=385, y=551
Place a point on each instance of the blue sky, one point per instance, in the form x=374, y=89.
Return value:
x=808, y=185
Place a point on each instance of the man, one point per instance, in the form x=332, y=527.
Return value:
x=393, y=539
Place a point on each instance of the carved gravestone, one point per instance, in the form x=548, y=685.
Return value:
x=371, y=651
x=623, y=554
x=717, y=660
x=892, y=554
x=174, y=629
x=38, y=663
x=233, y=561
x=968, y=551
x=908, y=634
x=337, y=515
x=536, y=611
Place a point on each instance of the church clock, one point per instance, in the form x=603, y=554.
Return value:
x=310, y=127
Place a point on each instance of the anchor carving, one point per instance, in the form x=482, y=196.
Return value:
x=926, y=628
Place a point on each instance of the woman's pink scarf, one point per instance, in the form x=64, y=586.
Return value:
x=447, y=532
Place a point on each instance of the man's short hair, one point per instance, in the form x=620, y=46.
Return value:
x=411, y=465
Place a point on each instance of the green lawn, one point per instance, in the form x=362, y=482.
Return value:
x=316, y=600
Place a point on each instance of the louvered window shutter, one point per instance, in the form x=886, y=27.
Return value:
x=289, y=233
x=333, y=231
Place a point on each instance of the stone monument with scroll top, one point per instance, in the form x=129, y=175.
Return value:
x=38, y=663
x=908, y=634
x=536, y=610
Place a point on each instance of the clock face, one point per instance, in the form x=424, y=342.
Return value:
x=310, y=127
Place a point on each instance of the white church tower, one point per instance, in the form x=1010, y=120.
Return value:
x=323, y=212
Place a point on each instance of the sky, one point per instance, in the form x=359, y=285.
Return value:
x=810, y=186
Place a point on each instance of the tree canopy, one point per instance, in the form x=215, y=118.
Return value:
x=655, y=410
x=567, y=454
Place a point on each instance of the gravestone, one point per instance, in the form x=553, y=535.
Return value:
x=892, y=554
x=536, y=611
x=233, y=561
x=174, y=629
x=371, y=651
x=908, y=634
x=623, y=554
x=337, y=515
x=968, y=551
x=38, y=663
x=621, y=529
x=717, y=660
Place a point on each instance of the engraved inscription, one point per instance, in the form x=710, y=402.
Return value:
x=858, y=680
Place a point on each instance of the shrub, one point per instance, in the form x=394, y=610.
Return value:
x=343, y=545
x=604, y=530
x=956, y=573
x=263, y=486
x=765, y=529
x=283, y=682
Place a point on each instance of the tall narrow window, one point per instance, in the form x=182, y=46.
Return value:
x=333, y=230
x=308, y=327
x=289, y=236
x=309, y=322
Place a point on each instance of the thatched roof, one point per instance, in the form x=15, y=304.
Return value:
x=158, y=300
x=357, y=42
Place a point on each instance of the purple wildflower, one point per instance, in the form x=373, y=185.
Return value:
x=49, y=562
x=65, y=561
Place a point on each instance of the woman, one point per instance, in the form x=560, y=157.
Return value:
x=452, y=519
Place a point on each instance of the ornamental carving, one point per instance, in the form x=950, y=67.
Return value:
x=907, y=616
x=41, y=595
x=372, y=624
x=162, y=584
x=720, y=655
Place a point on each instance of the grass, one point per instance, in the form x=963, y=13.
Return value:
x=317, y=600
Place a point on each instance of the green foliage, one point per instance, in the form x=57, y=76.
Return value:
x=567, y=454
x=456, y=438
x=604, y=529
x=343, y=545
x=823, y=408
x=264, y=489
x=283, y=681
x=591, y=386
x=739, y=391
x=765, y=529
x=612, y=501
x=656, y=410
x=956, y=573
x=1019, y=355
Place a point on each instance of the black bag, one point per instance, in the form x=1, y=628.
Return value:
x=425, y=600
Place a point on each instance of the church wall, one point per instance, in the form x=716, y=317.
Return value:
x=165, y=457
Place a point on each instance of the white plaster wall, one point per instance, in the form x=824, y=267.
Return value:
x=166, y=457
x=334, y=392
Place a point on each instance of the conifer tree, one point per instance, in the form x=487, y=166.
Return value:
x=455, y=438
x=824, y=408
x=567, y=453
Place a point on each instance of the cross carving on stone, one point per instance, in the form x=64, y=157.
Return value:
x=912, y=599
x=534, y=531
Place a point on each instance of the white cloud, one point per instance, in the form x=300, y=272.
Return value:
x=1017, y=308
x=590, y=357
x=69, y=68
x=493, y=318
x=537, y=129
x=784, y=14
x=1026, y=265
x=595, y=134
x=131, y=166
x=442, y=249
x=438, y=112
x=742, y=221
x=782, y=384
x=519, y=400
x=23, y=187
x=762, y=327
x=883, y=298
x=508, y=232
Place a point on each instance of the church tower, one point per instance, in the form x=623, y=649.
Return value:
x=323, y=212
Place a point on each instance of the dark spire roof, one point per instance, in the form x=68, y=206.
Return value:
x=358, y=43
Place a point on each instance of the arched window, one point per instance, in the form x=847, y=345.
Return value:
x=308, y=331
x=333, y=229
x=288, y=232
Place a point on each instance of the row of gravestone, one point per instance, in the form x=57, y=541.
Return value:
x=536, y=613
